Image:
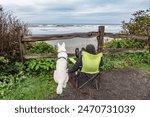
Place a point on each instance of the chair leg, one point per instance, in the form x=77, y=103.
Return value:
x=89, y=80
x=98, y=82
x=95, y=78
x=77, y=82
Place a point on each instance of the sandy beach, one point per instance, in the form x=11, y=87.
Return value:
x=71, y=44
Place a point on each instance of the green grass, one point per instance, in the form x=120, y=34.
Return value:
x=143, y=67
x=122, y=60
x=34, y=87
x=27, y=84
x=31, y=79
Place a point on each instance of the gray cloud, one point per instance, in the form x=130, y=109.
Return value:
x=74, y=11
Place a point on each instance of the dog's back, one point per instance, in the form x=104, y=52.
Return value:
x=60, y=74
x=61, y=69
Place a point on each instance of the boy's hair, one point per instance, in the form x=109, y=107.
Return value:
x=90, y=49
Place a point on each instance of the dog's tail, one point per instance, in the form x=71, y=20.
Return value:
x=59, y=88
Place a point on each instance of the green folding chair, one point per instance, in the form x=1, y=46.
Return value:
x=90, y=68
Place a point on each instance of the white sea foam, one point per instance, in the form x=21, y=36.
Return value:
x=63, y=29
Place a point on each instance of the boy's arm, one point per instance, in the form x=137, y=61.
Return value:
x=76, y=66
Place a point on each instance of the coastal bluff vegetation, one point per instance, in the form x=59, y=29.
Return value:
x=125, y=75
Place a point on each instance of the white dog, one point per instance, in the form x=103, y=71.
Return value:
x=61, y=73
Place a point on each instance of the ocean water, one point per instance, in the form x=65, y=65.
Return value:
x=70, y=28
x=71, y=44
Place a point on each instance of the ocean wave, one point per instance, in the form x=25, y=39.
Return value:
x=69, y=28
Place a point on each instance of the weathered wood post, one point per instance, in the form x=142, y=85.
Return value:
x=21, y=46
x=100, y=38
x=149, y=38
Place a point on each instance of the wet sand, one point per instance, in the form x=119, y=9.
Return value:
x=71, y=44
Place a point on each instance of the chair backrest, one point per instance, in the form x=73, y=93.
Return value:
x=90, y=62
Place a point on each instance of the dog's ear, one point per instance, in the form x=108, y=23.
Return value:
x=63, y=44
x=58, y=44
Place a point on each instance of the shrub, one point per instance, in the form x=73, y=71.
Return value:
x=41, y=47
x=11, y=30
x=126, y=43
x=138, y=24
x=41, y=65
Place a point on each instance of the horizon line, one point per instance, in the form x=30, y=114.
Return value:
x=79, y=23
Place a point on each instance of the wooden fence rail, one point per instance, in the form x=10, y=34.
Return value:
x=82, y=35
x=58, y=36
x=100, y=40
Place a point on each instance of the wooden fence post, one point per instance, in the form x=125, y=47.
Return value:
x=149, y=43
x=21, y=46
x=149, y=38
x=100, y=38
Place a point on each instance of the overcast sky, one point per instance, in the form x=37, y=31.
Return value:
x=74, y=11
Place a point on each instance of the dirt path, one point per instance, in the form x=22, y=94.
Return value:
x=121, y=84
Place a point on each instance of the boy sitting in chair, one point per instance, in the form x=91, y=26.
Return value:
x=88, y=64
